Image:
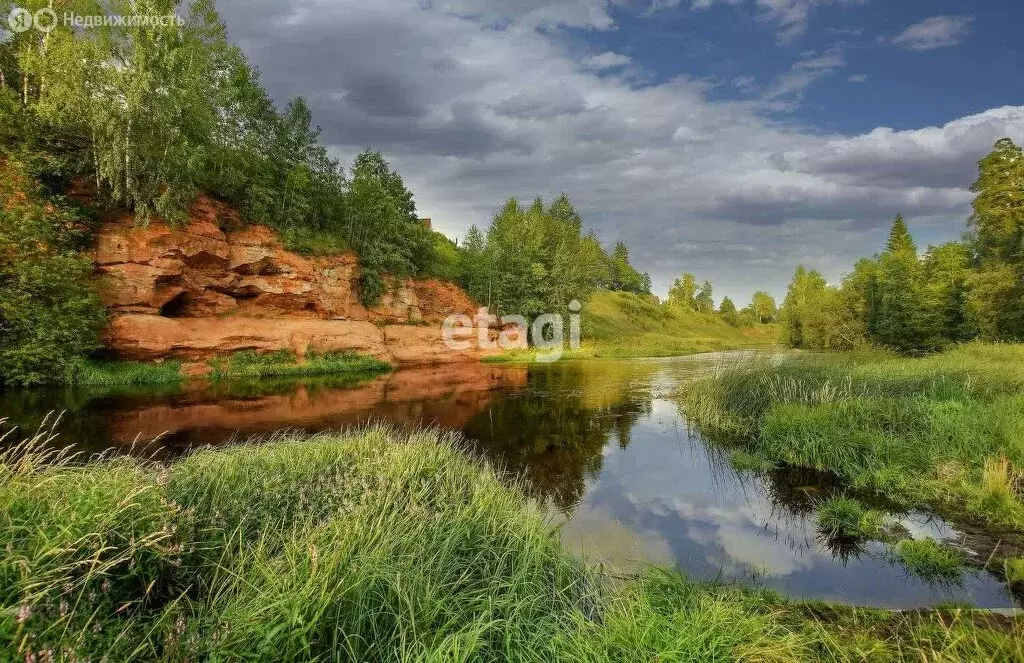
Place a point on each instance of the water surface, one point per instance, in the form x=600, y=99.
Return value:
x=602, y=445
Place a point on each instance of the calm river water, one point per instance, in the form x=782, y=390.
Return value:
x=602, y=444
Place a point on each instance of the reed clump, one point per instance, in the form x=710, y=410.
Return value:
x=942, y=429
x=373, y=544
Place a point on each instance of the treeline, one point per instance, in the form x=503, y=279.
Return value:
x=909, y=302
x=147, y=116
x=144, y=116
x=685, y=293
x=538, y=259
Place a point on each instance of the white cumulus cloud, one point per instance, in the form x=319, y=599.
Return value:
x=473, y=108
x=935, y=32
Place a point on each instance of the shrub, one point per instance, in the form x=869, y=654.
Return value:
x=49, y=314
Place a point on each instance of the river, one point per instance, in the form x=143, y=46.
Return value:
x=601, y=445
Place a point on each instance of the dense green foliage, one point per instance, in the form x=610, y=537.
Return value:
x=380, y=546
x=144, y=116
x=944, y=430
x=183, y=111
x=911, y=303
x=539, y=259
x=687, y=295
x=49, y=316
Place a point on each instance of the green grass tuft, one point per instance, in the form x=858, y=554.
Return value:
x=1014, y=569
x=94, y=373
x=843, y=517
x=743, y=461
x=254, y=365
x=930, y=561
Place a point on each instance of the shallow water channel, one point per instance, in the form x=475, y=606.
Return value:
x=602, y=445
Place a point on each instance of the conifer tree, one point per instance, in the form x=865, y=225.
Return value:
x=729, y=313
x=900, y=313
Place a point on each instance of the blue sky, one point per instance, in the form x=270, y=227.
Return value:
x=734, y=139
x=979, y=67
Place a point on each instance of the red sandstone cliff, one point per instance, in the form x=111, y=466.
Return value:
x=198, y=291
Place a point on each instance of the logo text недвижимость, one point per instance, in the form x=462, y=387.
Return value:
x=21, y=20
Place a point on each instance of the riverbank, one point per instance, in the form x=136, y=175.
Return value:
x=376, y=545
x=620, y=325
x=940, y=433
x=237, y=366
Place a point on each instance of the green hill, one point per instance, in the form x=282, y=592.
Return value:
x=618, y=324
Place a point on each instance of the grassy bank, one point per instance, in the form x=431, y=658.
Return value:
x=254, y=365
x=620, y=325
x=946, y=429
x=95, y=373
x=374, y=545
x=239, y=366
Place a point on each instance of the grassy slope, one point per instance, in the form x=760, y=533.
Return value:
x=376, y=545
x=617, y=324
x=623, y=325
x=947, y=429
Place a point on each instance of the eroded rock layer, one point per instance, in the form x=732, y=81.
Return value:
x=212, y=287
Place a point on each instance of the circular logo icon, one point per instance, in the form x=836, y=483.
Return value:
x=46, y=20
x=20, y=20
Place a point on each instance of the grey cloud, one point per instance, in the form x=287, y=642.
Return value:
x=860, y=207
x=471, y=114
x=937, y=157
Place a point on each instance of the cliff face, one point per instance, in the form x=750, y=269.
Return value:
x=196, y=292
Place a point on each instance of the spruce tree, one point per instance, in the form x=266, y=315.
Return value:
x=900, y=305
x=729, y=313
